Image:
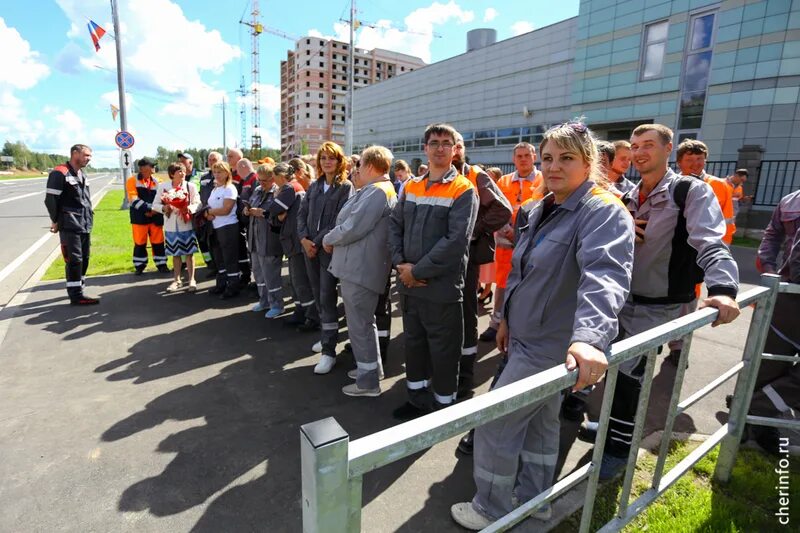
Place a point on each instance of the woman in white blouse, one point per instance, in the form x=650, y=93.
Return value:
x=179, y=233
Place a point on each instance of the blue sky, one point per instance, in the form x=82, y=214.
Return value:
x=183, y=56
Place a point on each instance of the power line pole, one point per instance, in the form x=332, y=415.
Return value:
x=243, y=115
x=224, y=135
x=255, y=142
x=123, y=108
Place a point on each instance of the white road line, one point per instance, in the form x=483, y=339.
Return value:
x=11, y=267
x=21, y=196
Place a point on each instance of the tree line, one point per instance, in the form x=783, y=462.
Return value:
x=27, y=159
x=165, y=156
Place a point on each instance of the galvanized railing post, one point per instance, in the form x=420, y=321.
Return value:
x=599, y=448
x=746, y=381
x=331, y=503
x=672, y=411
x=638, y=430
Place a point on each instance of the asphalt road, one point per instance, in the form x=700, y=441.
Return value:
x=179, y=412
x=24, y=223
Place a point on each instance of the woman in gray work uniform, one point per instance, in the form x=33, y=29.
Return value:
x=570, y=275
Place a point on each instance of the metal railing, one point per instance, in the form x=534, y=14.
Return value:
x=775, y=180
x=332, y=466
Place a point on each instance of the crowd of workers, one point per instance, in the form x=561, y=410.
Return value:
x=579, y=256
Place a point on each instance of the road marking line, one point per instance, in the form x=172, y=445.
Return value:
x=20, y=197
x=39, y=243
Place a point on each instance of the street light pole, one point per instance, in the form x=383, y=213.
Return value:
x=348, y=119
x=123, y=108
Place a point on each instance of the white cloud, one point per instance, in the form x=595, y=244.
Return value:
x=523, y=26
x=421, y=21
x=167, y=53
x=490, y=14
x=25, y=71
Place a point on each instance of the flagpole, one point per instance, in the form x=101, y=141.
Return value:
x=123, y=108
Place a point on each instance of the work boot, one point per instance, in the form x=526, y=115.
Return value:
x=588, y=431
x=139, y=269
x=573, y=408
x=489, y=335
x=467, y=443
x=611, y=466
x=163, y=269
x=309, y=325
x=294, y=320
x=408, y=411
x=675, y=356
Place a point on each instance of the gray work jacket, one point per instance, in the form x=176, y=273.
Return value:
x=287, y=201
x=319, y=209
x=360, y=238
x=570, y=274
x=674, y=243
x=262, y=238
x=430, y=227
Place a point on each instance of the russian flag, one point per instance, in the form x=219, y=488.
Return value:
x=96, y=33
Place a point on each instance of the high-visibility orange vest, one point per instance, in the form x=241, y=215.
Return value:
x=724, y=193
x=517, y=192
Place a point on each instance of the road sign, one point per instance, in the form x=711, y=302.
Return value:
x=124, y=140
x=125, y=159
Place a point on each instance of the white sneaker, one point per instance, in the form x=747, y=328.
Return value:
x=466, y=516
x=317, y=348
x=354, y=390
x=325, y=364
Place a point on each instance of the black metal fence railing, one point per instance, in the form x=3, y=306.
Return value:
x=775, y=180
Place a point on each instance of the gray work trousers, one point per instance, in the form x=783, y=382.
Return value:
x=688, y=308
x=634, y=318
x=304, y=304
x=359, y=307
x=517, y=453
x=323, y=284
x=433, y=333
x=267, y=271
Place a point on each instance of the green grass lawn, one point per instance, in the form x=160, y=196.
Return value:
x=112, y=242
x=746, y=241
x=696, y=502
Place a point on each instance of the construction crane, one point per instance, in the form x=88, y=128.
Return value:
x=256, y=28
x=358, y=23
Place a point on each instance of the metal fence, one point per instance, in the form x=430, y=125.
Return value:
x=332, y=466
x=775, y=180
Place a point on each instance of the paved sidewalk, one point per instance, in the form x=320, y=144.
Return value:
x=156, y=412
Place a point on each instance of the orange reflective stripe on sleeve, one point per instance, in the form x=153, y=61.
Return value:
x=130, y=188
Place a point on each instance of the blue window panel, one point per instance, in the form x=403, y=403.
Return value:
x=672, y=69
x=775, y=7
x=628, y=20
x=648, y=87
x=794, y=21
x=724, y=59
x=601, y=15
x=751, y=28
x=626, y=43
x=762, y=97
x=580, y=53
x=730, y=16
x=577, y=86
x=695, y=76
x=599, y=49
x=694, y=4
x=595, y=95
x=728, y=33
x=623, y=91
x=675, y=45
x=596, y=115
x=790, y=67
x=660, y=11
x=579, y=66
x=646, y=109
x=653, y=3
x=680, y=6
x=601, y=28
x=583, y=33
x=768, y=69
x=616, y=113
x=718, y=101
x=775, y=23
x=721, y=75
x=598, y=62
x=769, y=52
x=629, y=6
x=600, y=82
x=622, y=78
x=670, y=84
x=786, y=95
x=667, y=108
x=626, y=56
x=702, y=30
x=754, y=11
x=740, y=99
x=744, y=72
x=791, y=49
x=747, y=55
x=677, y=30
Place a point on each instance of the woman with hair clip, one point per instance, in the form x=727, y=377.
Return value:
x=318, y=211
x=570, y=275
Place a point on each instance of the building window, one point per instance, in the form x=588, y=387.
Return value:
x=308, y=52
x=321, y=85
x=308, y=95
x=322, y=43
x=320, y=74
x=308, y=104
x=321, y=116
x=402, y=69
x=320, y=95
x=655, y=46
x=320, y=106
x=308, y=63
x=308, y=41
x=696, y=69
x=308, y=115
x=508, y=136
x=484, y=138
x=321, y=64
x=321, y=53
x=308, y=84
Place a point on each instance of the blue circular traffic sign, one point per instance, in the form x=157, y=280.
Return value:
x=124, y=140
